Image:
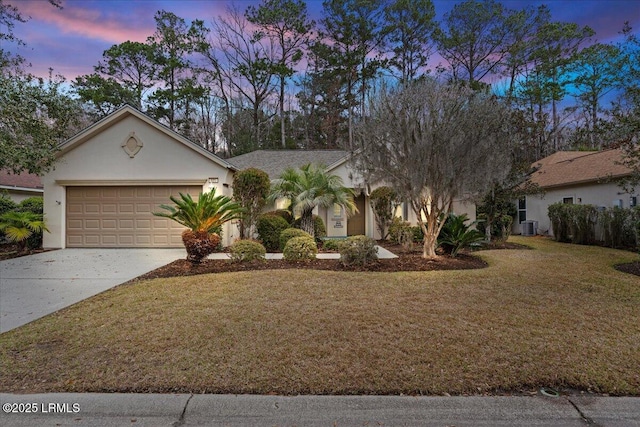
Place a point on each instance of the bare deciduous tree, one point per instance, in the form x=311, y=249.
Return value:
x=434, y=143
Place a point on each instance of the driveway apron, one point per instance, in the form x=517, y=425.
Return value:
x=36, y=285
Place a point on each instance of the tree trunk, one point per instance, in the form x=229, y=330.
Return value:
x=487, y=229
x=429, y=246
x=282, y=131
x=306, y=223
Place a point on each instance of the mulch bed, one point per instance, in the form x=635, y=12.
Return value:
x=631, y=268
x=404, y=262
x=11, y=250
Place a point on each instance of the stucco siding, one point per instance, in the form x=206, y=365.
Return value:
x=605, y=195
x=102, y=161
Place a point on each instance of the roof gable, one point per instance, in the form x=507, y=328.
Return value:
x=128, y=111
x=577, y=167
x=274, y=162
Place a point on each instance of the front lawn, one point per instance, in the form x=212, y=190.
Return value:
x=558, y=316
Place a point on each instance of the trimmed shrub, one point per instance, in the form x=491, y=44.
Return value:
x=32, y=204
x=301, y=248
x=250, y=189
x=247, y=250
x=332, y=244
x=500, y=228
x=384, y=201
x=573, y=223
x=400, y=232
x=416, y=234
x=7, y=204
x=619, y=227
x=269, y=228
x=358, y=250
x=319, y=228
x=559, y=222
x=290, y=233
x=285, y=214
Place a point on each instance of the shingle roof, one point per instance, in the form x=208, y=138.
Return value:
x=274, y=162
x=23, y=180
x=575, y=167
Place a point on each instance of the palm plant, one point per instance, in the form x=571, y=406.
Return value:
x=18, y=227
x=308, y=187
x=456, y=234
x=203, y=219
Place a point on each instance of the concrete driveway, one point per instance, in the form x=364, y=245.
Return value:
x=36, y=285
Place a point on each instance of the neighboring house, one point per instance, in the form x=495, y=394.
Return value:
x=21, y=186
x=112, y=176
x=580, y=177
x=274, y=162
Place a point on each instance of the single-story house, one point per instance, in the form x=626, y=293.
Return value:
x=581, y=177
x=111, y=177
x=20, y=186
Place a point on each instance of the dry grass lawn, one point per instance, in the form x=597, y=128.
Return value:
x=557, y=316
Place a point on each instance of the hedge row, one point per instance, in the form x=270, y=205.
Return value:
x=587, y=224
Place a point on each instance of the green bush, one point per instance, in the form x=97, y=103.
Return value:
x=332, y=244
x=269, y=228
x=400, y=232
x=384, y=201
x=573, y=223
x=319, y=230
x=32, y=204
x=7, y=204
x=285, y=214
x=290, y=233
x=301, y=248
x=619, y=227
x=559, y=222
x=417, y=234
x=456, y=234
x=23, y=228
x=358, y=250
x=247, y=250
x=250, y=189
x=500, y=229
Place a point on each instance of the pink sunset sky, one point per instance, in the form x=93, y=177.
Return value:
x=71, y=40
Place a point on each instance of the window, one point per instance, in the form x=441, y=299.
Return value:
x=522, y=210
x=633, y=202
x=567, y=200
x=337, y=211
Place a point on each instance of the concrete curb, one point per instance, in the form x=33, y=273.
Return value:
x=66, y=409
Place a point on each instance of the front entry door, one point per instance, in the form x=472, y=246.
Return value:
x=355, y=223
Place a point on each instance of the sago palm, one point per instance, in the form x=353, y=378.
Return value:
x=311, y=186
x=19, y=226
x=203, y=219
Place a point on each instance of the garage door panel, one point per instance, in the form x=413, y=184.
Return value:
x=143, y=192
x=122, y=216
x=109, y=224
x=125, y=224
x=143, y=224
x=126, y=208
x=144, y=208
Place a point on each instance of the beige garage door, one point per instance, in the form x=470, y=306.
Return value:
x=122, y=217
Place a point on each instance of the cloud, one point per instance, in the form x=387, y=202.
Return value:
x=97, y=20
